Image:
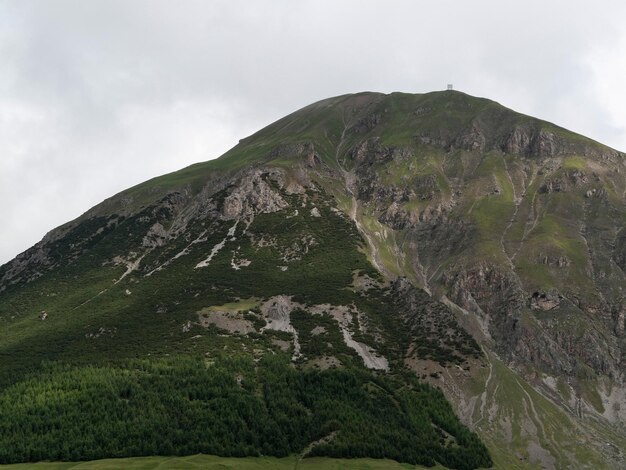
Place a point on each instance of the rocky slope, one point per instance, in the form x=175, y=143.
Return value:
x=481, y=249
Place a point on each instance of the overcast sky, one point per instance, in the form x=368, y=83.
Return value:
x=96, y=96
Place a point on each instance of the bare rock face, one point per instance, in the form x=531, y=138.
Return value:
x=550, y=353
x=233, y=207
x=568, y=181
x=277, y=310
x=20, y=269
x=554, y=261
x=619, y=250
x=303, y=151
x=545, y=144
x=473, y=139
x=545, y=300
x=493, y=294
x=156, y=236
x=367, y=123
x=518, y=142
x=253, y=193
x=32, y=263
x=620, y=322
x=538, y=328
x=492, y=288
x=370, y=151
x=368, y=155
x=312, y=160
x=398, y=218
x=531, y=141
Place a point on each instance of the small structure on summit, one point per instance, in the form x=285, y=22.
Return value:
x=450, y=87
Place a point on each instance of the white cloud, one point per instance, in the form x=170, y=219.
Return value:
x=608, y=66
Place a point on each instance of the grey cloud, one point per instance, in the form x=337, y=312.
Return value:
x=96, y=96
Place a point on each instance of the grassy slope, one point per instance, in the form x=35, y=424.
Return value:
x=525, y=430
x=222, y=463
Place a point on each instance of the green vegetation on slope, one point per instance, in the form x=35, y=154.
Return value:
x=211, y=462
x=93, y=320
x=525, y=430
x=229, y=407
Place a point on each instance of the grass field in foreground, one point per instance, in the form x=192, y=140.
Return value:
x=223, y=463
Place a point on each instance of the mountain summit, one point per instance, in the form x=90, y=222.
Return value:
x=328, y=272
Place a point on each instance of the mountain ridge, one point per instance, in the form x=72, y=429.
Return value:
x=333, y=101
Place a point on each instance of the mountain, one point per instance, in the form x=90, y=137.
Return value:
x=310, y=290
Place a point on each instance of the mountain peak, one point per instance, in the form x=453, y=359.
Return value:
x=436, y=237
x=449, y=119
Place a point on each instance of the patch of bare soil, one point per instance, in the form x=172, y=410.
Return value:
x=233, y=322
